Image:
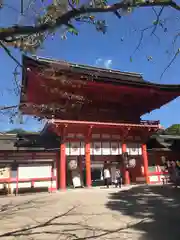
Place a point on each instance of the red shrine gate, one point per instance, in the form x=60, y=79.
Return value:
x=93, y=102
x=103, y=139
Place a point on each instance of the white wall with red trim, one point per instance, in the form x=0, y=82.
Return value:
x=35, y=169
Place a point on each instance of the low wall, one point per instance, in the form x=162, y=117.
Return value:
x=30, y=172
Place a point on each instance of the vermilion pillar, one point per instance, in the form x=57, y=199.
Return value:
x=88, y=163
x=145, y=163
x=62, y=176
x=125, y=171
x=57, y=171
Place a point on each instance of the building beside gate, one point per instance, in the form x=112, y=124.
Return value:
x=160, y=147
x=96, y=115
x=27, y=162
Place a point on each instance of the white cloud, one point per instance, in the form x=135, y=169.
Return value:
x=98, y=61
x=103, y=63
x=108, y=63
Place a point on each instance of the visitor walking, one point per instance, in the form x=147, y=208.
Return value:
x=118, y=178
x=107, y=176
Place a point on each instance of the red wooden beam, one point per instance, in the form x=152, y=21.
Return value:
x=103, y=124
x=23, y=180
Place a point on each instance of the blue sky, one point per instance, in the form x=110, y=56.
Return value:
x=111, y=50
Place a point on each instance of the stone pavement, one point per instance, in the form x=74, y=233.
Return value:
x=140, y=212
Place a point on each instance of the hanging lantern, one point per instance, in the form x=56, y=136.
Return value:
x=132, y=163
x=163, y=159
x=72, y=164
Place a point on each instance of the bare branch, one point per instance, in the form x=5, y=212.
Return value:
x=157, y=20
x=3, y=108
x=71, y=5
x=170, y=63
x=8, y=6
x=175, y=39
x=147, y=28
x=17, y=89
x=66, y=17
x=10, y=54
x=141, y=38
x=154, y=10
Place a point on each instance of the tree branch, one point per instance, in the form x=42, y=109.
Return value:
x=141, y=39
x=9, y=54
x=3, y=108
x=65, y=18
x=157, y=20
x=170, y=63
x=175, y=39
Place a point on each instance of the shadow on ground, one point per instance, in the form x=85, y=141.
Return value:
x=142, y=212
x=156, y=209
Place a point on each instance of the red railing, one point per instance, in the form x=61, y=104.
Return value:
x=23, y=180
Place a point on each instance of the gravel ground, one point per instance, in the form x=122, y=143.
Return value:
x=138, y=212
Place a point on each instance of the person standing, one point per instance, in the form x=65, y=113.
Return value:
x=118, y=180
x=107, y=176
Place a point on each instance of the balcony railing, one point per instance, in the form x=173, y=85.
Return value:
x=149, y=122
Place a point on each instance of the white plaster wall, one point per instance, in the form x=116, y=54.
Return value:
x=23, y=185
x=42, y=184
x=34, y=171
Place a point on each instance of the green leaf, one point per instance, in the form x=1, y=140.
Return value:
x=155, y=22
x=75, y=2
x=104, y=2
x=73, y=30
x=149, y=58
x=131, y=59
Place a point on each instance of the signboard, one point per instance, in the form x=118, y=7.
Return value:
x=4, y=172
x=76, y=178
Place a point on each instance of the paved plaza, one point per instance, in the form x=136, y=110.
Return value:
x=139, y=212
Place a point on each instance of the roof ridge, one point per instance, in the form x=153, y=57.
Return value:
x=89, y=67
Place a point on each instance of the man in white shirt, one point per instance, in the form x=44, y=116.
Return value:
x=107, y=176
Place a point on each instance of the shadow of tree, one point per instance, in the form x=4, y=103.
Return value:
x=147, y=212
x=55, y=226
x=10, y=208
x=70, y=230
x=157, y=208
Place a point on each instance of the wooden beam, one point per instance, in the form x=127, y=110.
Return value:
x=152, y=125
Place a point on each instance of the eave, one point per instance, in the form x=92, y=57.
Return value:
x=70, y=89
x=101, y=75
